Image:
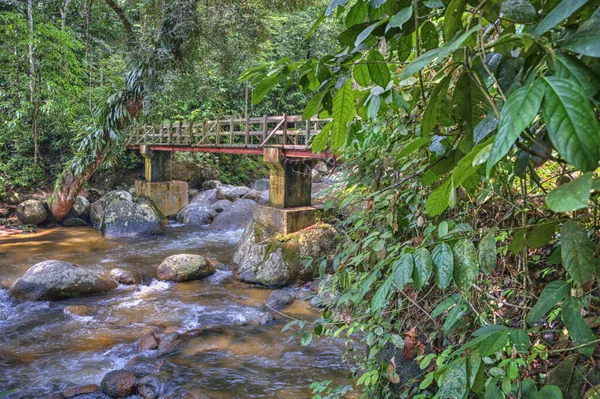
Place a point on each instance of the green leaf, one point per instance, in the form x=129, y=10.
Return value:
x=473, y=365
x=313, y=106
x=520, y=11
x=586, y=40
x=570, y=68
x=263, y=88
x=435, y=100
x=465, y=264
x=571, y=123
x=361, y=74
x=402, y=270
x=466, y=103
x=520, y=109
x=564, y=10
x=577, y=252
x=571, y=196
x=453, y=18
x=430, y=39
x=343, y=111
x=378, y=69
x=419, y=63
x=487, y=252
x=405, y=45
x=493, y=392
x=306, y=338
x=550, y=392
x=319, y=143
x=413, y=146
x=579, y=331
x=529, y=389
x=519, y=339
x=519, y=240
x=423, y=266
x=552, y=294
x=367, y=32
x=357, y=14
x=380, y=297
x=454, y=383
x=401, y=17
x=439, y=199
x=493, y=343
x=332, y=6
x=541, y=234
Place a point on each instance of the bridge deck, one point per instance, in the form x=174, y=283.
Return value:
x=232, y=136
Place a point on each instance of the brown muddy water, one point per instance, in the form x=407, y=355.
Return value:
x=44, y=350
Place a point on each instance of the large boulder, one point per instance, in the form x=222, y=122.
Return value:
x=74, y=222
x=128, y=219
x=220, y=205
x=127, y=277
x=32, y=212
x=231, y=193
x=235, y=217
x=193, y=173
x=279, y=299
x=196, y=214
x=81, y=209
x=268, y=258
x=261, y=184
x=205, y=198
x=99, y=207
x=53, y=280
x=118, y=383
x=184, y=267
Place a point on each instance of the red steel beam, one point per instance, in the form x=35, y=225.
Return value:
x=295, y=153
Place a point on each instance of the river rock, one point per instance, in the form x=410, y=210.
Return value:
x=153, y=386
x=184, y=267
x=264, y=197
x=98, y=208
x=253, y=195
x=267, y=258
x=81, y=209
x=148, y=342
x=196, y=214
x=74, y=222
x=237, y=216
x=195, y=174
x=321, y=168
x=128, y=219
x=220, y=205
x=316, y=176
x=210, y=184
x=143, y=365
x=261, y=184
x=279, y=299
x=97, y=395
x=118, y=383
x=127, y=277
x=232, y=193
x=168, y=343
x=53, y=280
x=32, y=212
x=205, y=198
x=81, y=390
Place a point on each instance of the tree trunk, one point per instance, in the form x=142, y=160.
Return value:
x=32, y=82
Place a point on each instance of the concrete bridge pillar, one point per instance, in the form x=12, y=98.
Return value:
x=169, y=196
x=290, y=193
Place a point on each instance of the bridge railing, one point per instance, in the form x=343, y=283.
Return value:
x=287, y=131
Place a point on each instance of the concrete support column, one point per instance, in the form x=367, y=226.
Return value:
x=158, y=164
x=291, y=179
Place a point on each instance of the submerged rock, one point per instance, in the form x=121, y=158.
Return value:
x=32, y=212
x=118, y=383
x=74, y=222
x=268, y=258
x=196, y=214
x=237, y=216
x=128, y=219
x=78, y=310
x=53, y=280
x=148, y=342
x=168, y=343
x=127, y=277
x=81, y=209
x=98, y=207
x=279, y=299
x=81, y=390
x=153, y=386
x=184, y=267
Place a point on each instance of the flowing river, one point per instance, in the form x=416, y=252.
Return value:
x=44, y=349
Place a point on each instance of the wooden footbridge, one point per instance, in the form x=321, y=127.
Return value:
x=250, y=136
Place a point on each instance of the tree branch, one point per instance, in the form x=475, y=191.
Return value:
x=126, y=24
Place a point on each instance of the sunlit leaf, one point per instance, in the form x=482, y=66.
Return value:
x=465, y=264
x=554, y=292
x=572, y=195
x=577, y=252
x=579, y=331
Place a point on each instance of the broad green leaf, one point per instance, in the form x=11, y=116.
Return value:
x=482, y=156
x=402, y=270
x=473, y=365
x=413, y=146
x=439, y=199
x=465, y=264
x=338, y=135
x=435, y=100
x=263, y=88
x=377, y=3
x=571, y=196
x=541, y=234
x=493, y=392
x=312, y=108
x=453, y=18
x=343, y=111
x=361, y=74
x=464, y=168
x=487, y=252
x=367, y=32
x=571, y=123
x=570, y=68
x=549, y=392
x=485, y=127
x=442, y=229
x=320, y=141
x=577, y=252
x=529, y=389
x=306, y=338
x=520, y=11
x=430, y=38
x=493, y=343
x=401, y=17
x=466, y=104
x=443, y=265
x=552, y=294
x=558, y=14
x=380, y=297
x=405, y=45
x=519, y=339
x=520, y=109
x=454, y=382
x=519, y=240
x=453, y=317
x=378, y=69
x=593, y=393
x=333, y=5
x=579, y=331
x=419, y=63
x=315, y=26
x=423, y=267
x=357, y=14
x=586, y=40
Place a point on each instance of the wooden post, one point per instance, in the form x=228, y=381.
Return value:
x=179, y=133
x=191, y=133
x=247, y=129
x=284, y=130
x=203, y=131
x=169, y=134
x=231, y=130
x=264, y=128
x=217, y=130
x=307, y=132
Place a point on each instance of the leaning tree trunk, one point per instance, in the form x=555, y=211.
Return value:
x=66, y=190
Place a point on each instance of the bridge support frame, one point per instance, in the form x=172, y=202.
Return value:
x=158, y=164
